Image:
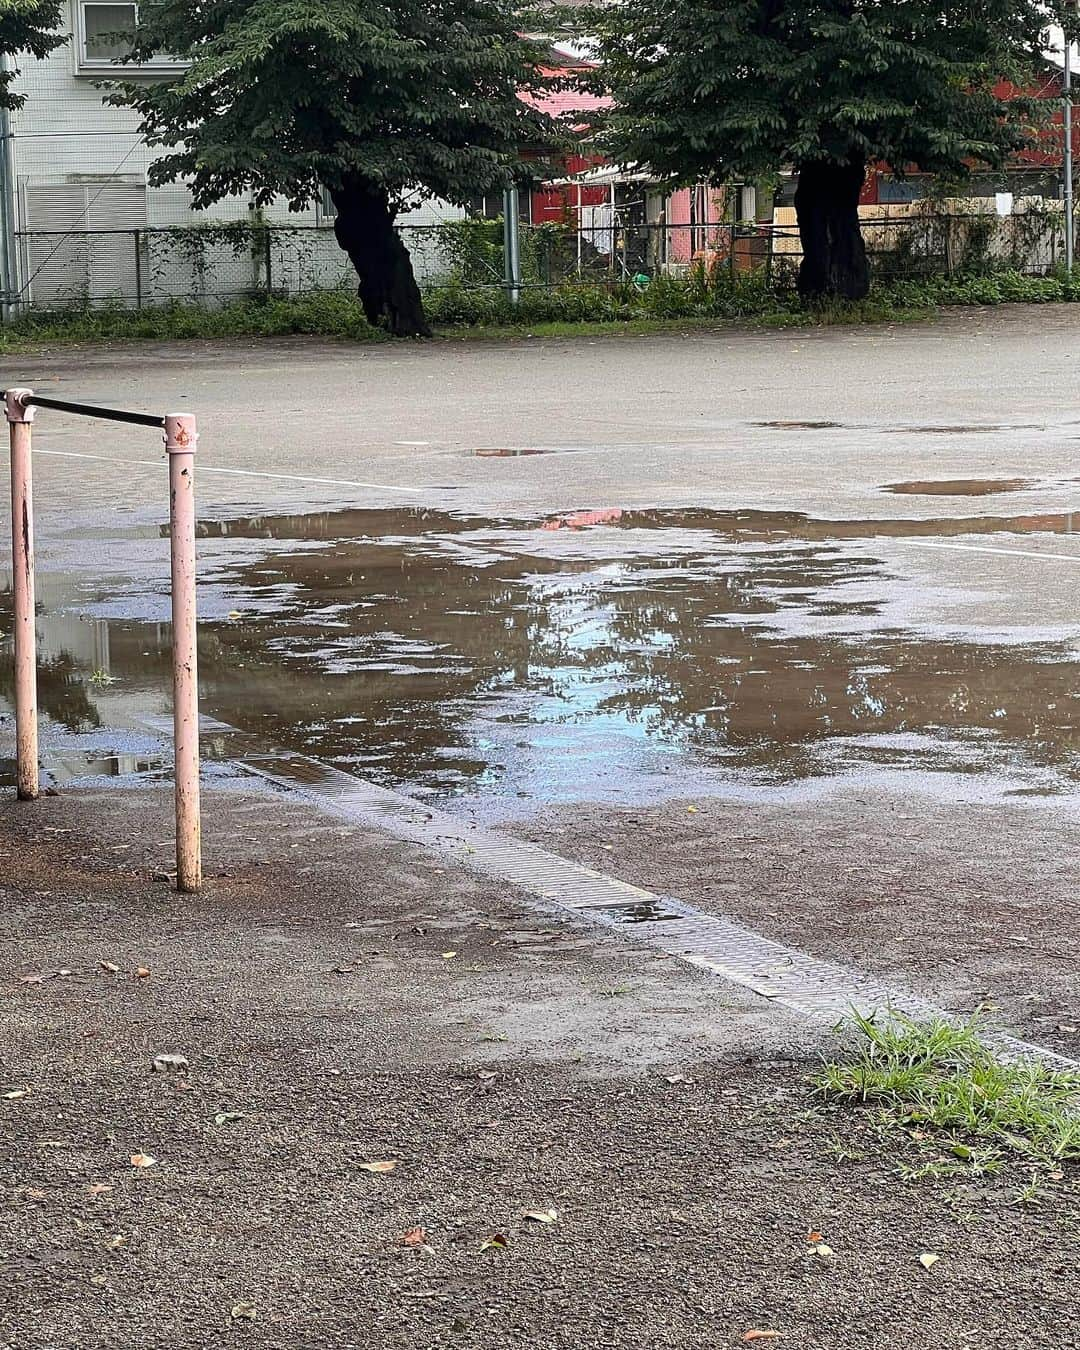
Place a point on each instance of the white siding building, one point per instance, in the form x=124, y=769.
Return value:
x=88, y=227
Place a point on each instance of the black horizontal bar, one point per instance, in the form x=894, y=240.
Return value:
x=105, y=414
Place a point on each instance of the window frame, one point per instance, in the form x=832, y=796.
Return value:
x=90, y=65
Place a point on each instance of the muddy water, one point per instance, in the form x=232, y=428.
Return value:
x=592, y=654
x=960, y=487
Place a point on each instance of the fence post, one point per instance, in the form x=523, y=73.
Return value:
x=267, y=244
x=20, y=416
x=180, y=441
x=138, y=269
x=512, y=244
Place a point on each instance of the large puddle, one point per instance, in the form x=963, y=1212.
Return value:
x=597, y=654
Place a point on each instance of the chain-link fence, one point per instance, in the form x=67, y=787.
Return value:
x=213, y=264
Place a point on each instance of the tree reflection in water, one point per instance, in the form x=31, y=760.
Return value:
x=433, y=650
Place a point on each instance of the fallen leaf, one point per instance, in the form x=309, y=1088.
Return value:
x=447, y=955
x=497, y=1240
x=17, y=1095
x=33, y=1193
x=378, y=1166
x=115, y=1243
x=415, y=1237
x=99, y=1280
x=143, y=1160
x=542, y=1215
x=756, y=1335
x=100, y=1188
x=676, y=1078
x=928, y=1259
x=110, y=966
x=692, y=810
x=31, y=979
x=228, y=1117
x=1057, y=1176
x=823, y=1249
x=814, y=1236
x=1067, y=1026
x=240, y=1310
x=142, y=972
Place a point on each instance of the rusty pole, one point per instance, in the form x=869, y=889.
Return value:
x=19, y=417
x=180, y=440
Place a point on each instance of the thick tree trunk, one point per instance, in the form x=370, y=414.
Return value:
x=388, y=291
x=827, y=205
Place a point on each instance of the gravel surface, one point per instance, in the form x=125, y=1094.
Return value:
x=662, y=1114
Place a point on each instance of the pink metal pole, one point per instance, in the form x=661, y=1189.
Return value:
x=180, y=441
x=20, y=416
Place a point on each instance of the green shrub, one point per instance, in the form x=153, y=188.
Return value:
x=698, y=297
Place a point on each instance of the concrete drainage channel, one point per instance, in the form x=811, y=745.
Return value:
x=793, y=979
x=817, y=989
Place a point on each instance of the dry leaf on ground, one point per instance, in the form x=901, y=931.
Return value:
x=378, y=1166
x=142, y=972
x=759, y=1335
x=239, y=1310
x=542, y=1215
x=100, y=1188
x=17, y=1095
x=928, y=1259
x=415, y=1237
x=143, y=1160
x=823, y=1249
x=814, y=1236
x=110, y=966
x=497, y=1240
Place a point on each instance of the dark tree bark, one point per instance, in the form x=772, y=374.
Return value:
x=827, y=206
x=388, y=291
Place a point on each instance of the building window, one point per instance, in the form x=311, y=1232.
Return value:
x=106, y=34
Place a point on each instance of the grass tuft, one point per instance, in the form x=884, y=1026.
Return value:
x=930, y=1079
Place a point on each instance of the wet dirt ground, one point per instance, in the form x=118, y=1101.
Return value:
x=340, y=1001
x=781, y=625
x=862, y=591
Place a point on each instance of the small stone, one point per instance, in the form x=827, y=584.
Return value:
x=168, y=1063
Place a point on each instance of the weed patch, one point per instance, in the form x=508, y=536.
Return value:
x=941, y=1087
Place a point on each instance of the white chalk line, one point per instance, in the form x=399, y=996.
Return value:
x=1004, y=552
x=238, y=473
x=398, y=487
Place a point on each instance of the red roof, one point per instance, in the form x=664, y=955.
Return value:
x=563, y=102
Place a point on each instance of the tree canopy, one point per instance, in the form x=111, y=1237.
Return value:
x=734, y=89
x=26, y=26
x=285, y=96
x=375, y=102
